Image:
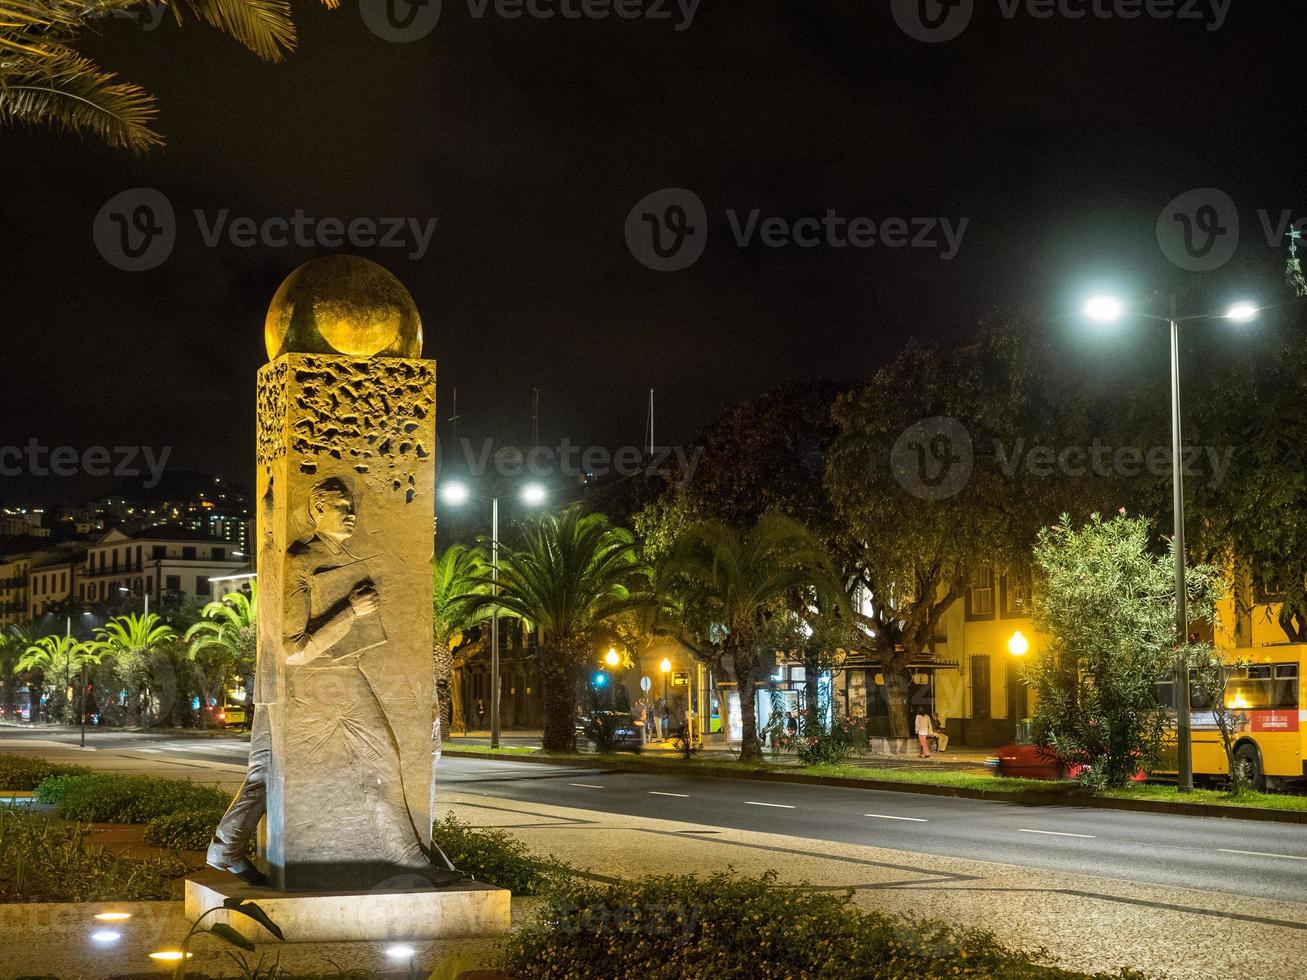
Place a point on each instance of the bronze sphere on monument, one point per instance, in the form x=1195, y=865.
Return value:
x=343, y=304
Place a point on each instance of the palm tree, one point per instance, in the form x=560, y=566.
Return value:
x=456, y=606
x=572, y=578
x=53, y=656
x=43, y=80
x=131, y=642
x=14, y=642
x=224, y=642
x=729, y=584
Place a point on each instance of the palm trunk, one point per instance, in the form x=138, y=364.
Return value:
x=750, y=746
x=558, y=690
x=443, y=662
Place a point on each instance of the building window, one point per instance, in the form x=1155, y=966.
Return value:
x=220, y=554
x=159, y=551
x=138, y=557
x=1015, y=589
x=188, y=553
x=173, y=583
x=203, y=587
x=980, y=596
x=63, y=581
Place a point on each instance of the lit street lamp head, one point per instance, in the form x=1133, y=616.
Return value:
x=454, y=493
x=1242, y=312
x=533, y=494
x=1018, y=645
x=1104, y=309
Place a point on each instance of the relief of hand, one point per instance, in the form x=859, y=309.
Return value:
x=364, y=599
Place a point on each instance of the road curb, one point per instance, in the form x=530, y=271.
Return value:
x=1025, y=798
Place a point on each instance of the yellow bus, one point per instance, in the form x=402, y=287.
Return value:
x=1267, y=699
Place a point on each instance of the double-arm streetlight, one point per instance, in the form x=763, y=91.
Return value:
x=1109, y=309
x=533, y=495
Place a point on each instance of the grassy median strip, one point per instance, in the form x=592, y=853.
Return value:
x=967, y=780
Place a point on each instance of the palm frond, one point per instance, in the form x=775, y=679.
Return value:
x=263, y=26
x=71, y=93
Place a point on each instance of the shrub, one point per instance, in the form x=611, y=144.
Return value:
x=102, y=797
x=188, y=830
x=44, y=860
x=815, y=746
x=497, y=858
x=21, y=773
x=723, y=926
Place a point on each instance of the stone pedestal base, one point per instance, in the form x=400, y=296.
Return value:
x=468, y=909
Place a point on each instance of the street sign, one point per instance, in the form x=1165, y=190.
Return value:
x=680, y=678
x=645, y=684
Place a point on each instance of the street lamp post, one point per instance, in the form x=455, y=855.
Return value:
x=1018, y=645
x=1108, y=310
x=458, y=493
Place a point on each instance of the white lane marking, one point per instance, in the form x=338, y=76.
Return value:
x=654, y=792
x=586, y=785
x=1263, y=854
x=779, y=806
x=886, y=816
x=1055, y=833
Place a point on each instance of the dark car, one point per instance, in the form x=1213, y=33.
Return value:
x=618, y=728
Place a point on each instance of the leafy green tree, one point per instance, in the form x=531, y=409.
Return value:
x=134, y=644
x=57, y=658
x=729, y=586
x=925, y=476
x=456, y=606
x=572, y=577
x=1107, y=602
x=45, y=81
x=224, y=643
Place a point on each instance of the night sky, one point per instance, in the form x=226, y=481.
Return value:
x=1059, y=141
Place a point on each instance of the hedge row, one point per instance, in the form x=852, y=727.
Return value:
x=22, y=774
x=101, y=797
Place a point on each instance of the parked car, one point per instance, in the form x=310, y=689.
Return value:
x=620, y=726
x=1023, y=759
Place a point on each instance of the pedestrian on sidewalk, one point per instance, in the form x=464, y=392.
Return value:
x=941, y=739
x=481, y=713
x=660, y=718
x=924, y=732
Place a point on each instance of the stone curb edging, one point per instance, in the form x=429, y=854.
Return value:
x=1024, y=797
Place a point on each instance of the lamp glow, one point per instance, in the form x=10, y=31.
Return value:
x=600, y=679
x=106, y=936
x=454, y=493
x=169, y=955
x=1018, y=645
x=1242, y=312
x=113, y=916
x=665, y=666
x=1105, y=309
x=400, y=952
x=611, y=658
x=533, y=494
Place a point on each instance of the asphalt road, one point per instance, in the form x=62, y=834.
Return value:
x=1265, y=860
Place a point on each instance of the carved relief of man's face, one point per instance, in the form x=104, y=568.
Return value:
x=333, y=516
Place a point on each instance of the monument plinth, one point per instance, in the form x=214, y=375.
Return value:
x=343, y=745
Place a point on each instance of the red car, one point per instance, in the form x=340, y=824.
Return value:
x=1025, y=760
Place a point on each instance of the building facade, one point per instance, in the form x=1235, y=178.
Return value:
x=163, y=564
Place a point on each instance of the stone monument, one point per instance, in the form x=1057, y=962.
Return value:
x=344, y=738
